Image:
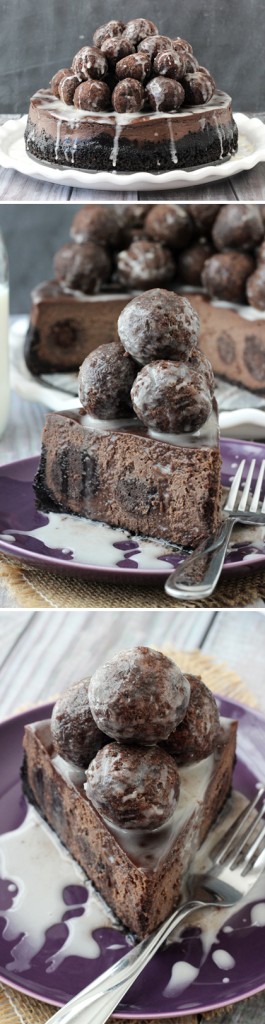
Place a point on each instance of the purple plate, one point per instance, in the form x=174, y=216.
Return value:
x=242, y=943
x=25, y=532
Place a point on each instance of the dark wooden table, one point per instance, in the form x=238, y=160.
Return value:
x=244, y=187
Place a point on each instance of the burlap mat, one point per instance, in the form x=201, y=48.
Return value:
x=33, y=588
x=16, y=1008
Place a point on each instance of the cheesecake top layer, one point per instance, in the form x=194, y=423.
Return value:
x=206, y=437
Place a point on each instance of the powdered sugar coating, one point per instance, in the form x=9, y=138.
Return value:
x=96, y=223
x=154, y=44
x=89, y=62
x=105, y=380
x=169, y=223
x=67, y=86
x=138, y=696
x=74, y=731
x=56, y=79
x=110, y=29
x=128, y=96
x=196, y=736
x=132, y=786
x=85, y=267
x=137, y=65
x=170, y=63
x=171, y=397
x=198, y=87
x=138, y=29
x=145, y=263
x=238, y=226
x=159, y=325
x=164, y=93
x=92, y=95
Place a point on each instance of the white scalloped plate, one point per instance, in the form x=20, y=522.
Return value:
x=251, y=150
x=241, y=413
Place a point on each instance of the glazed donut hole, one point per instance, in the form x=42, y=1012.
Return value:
x=90, y=63
x=112, y=29
x=169, y=63
x=204, y=216
x=204, y=371
x=169, y=224
x=96, y=223
x=55, y=81
x=198, y=88
x=191, y=262
x=133, y=787
x=138, y=29
x=225, y=274
x=154, y=44
x=105, y=380
x=164, y=94
x=92, y=95
x=197, y=735
x=191, y=62
x=175, y=327
x=75, y=734
x=182, y=44
x=116, y=49
x=171, y=397
x=128, y=96
x=66, y=88
x=238, y=226
x=145, y=263
x=256, y=288
x=83, y=267
x=138, y=695
x=136, y=65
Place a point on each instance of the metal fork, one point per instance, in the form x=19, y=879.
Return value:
x=197, y=576
x=237, y=863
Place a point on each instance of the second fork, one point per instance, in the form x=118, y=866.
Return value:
x=197, y=577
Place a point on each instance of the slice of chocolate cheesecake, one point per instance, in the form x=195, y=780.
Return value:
x=138, y=872
x=160, y=486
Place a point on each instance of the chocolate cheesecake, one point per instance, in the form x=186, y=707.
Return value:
x=156, y=473
x=109, y=141
x=134, y=832
x=163, y=487
x=132, y=101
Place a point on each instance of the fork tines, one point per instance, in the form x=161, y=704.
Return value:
x=237, y=483
x=235, y=845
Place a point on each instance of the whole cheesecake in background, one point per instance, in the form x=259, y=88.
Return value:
x=215, y=254
x=155, y=473
x=131, y=772
x=132, y=101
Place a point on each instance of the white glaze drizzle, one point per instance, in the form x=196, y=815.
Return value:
x=172, y=144
x=92, y=543
x=33, y=857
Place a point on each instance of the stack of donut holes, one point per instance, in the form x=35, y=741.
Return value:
x=133, y=723
x=130, y=68
x=155, y=369
x=221, y=248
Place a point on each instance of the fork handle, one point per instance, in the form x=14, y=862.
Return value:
x=104, y=994
x=211, y=553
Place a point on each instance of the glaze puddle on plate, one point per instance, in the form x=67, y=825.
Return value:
x=51, y=947
x=80, y=547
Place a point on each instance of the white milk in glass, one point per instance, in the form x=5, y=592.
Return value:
x=4, y=314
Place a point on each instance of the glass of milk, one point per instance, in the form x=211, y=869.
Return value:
x=4, y=315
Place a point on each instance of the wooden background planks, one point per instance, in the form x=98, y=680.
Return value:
x=41, y=652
